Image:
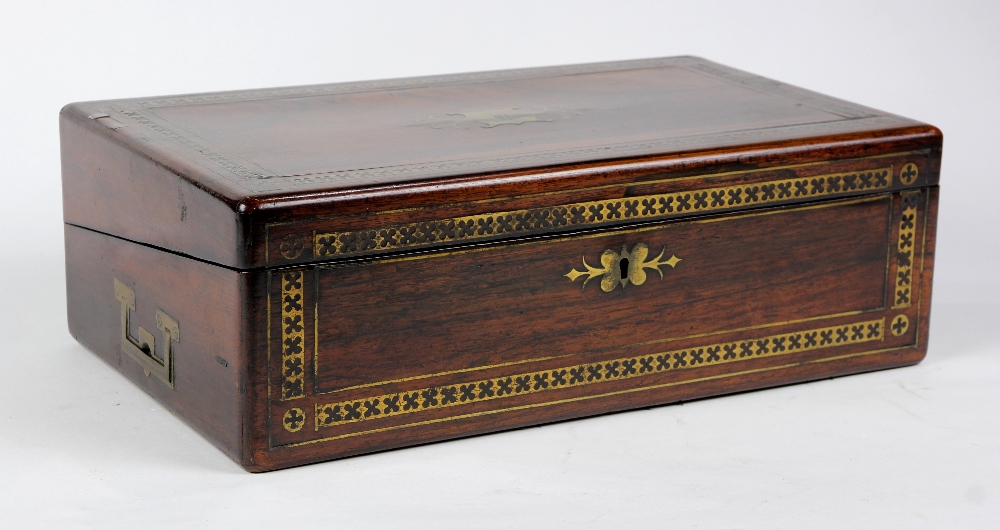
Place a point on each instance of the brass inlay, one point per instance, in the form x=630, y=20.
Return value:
x=899, y=325
x=143, y=349
x=620, y=268
x=596, y=213
x=294, y=419
x=595, y=396
x=292, y=336
x=291, y=246
x=909, y=173
x=905, y=246
x=431, y=398
x=491, y=118
x=640, y=230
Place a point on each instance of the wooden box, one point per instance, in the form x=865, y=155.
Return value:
x=316, y=272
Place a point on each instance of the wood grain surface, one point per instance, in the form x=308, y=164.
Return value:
x=367, y=266
x=189, y=173
x=502, y=310
x=212, y=306
x=400, y=326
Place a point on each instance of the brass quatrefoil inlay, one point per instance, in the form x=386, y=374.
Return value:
x=622, y=268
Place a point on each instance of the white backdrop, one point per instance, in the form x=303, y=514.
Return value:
x=918, y=447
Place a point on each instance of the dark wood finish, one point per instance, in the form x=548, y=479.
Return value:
x=212, y=305
x=188, y=165
x=396, y=319
x=744, y=278
x=332, y=253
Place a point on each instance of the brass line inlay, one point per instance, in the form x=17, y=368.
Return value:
x=292, y=336
x=595, y=213
x=623, y=230
x=602, y=235
x=905, y=246
x=651, y=182
x=596, y=396
x=431, y=398
x=637, y=344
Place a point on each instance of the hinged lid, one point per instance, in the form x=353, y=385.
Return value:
x=272, y=177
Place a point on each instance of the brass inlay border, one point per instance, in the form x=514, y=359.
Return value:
x=596, y=396
x=432, y=398
x=905, y=245
x=251, y=176
x=292, y=336
x=639, y=230
x=622, y=268
x=674, y=179
x=595, y=213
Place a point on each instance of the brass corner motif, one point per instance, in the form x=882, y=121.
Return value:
x=291, y=246
x=909, y=173
x=294, y=419
x=899, y=325
x=622, y=268
x=143, y=349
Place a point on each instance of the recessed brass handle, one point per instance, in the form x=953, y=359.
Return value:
x=143, y=349
x=622, y=268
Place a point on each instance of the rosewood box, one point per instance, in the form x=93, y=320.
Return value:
x=315, y=272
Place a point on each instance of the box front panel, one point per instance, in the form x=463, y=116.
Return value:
x=382, y=353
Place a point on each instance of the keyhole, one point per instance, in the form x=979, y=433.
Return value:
x=623, y=267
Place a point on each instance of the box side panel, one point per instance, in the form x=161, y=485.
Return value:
x=383, y=353
x=110, y=186
x=923, y=272
x=195, y=309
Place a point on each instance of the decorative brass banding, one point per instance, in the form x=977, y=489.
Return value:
x=431, y=398
x=905, y=247
x=622, y=268
x=292, y=336
x=595, y=213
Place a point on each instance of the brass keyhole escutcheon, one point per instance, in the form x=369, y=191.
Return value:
x=623, y=268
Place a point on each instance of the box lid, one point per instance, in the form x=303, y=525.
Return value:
x=260, y=178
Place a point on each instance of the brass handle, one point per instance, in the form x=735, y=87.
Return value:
x=622, y=268
x=143, y=349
